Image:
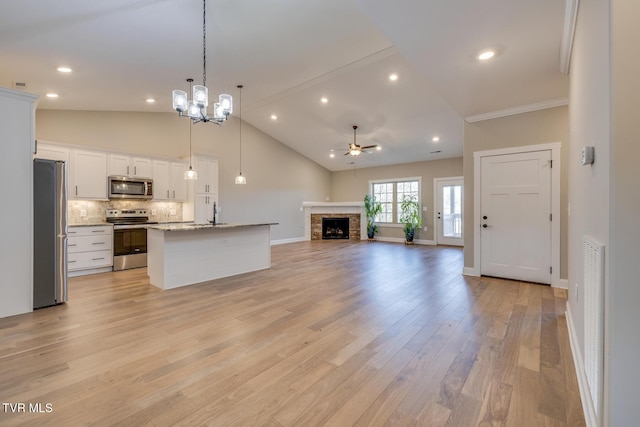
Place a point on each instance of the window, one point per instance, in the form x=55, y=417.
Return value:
x=390, y=194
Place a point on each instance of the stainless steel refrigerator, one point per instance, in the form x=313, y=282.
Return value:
x=49, y=233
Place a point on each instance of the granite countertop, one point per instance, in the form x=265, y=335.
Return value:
x=90, y=224
x=192, y=226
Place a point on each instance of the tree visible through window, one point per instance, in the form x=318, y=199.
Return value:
x=390, y=194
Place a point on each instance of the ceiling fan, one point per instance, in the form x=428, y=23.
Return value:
x=355, y=149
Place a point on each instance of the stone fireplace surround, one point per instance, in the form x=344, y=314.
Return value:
x=314, y=211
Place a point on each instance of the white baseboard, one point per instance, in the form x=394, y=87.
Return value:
x=578, y=361
x=401, y=240
x=562, y=284
x=470, y=271
x=285, y=241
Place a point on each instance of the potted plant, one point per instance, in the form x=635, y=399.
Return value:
x=372, y=209
x=410, y=217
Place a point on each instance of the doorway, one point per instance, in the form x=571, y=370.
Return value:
x=517, y=213
x=448, y=211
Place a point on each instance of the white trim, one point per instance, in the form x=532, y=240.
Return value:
x=285, y=241
x=555, y=201
x=469, y=271
x=568, y=33
x=435, y=205
x=578, y=362
x=517, y=110
x=562, y=284
x=401, y=240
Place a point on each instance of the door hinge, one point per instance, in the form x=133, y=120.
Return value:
x=551, y=163
x=550, y=217
x=550, y=270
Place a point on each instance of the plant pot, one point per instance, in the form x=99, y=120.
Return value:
x=408, y=235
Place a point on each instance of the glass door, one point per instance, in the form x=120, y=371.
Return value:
x=448, y=211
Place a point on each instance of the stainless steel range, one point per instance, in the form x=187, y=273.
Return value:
x=129, y=237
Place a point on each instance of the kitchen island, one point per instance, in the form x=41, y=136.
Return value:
x=186, y=254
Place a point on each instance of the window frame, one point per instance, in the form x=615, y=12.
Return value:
x=395, y=202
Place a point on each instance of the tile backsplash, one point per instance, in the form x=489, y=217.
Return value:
x=95, y=210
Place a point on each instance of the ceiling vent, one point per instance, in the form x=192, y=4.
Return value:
x=19, y=85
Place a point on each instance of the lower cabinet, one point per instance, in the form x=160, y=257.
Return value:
x=89, y=250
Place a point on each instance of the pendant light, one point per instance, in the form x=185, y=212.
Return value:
x=190, y=174
x=240, y=179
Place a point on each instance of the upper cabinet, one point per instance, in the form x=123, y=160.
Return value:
x=207, y=169
x=122, y=165
x=88, y=175
x=168, y=180
x=52, y=152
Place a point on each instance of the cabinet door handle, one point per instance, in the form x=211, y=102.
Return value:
x=135, y=170
x=76, y=190
x=167, y=194
x=174, y=194
x=127, y=170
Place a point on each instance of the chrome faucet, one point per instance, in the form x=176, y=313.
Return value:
x=215, y=211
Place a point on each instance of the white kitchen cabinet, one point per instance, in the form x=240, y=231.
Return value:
x=207, y=169
x=203, y=192
x=88, y=175
x=52, y=152
x=168, y=180
x=89, y=250
x=204, y=208
x=122, y=165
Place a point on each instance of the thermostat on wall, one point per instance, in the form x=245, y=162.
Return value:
x=587, y=155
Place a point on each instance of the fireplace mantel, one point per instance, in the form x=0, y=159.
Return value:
x=334, y=208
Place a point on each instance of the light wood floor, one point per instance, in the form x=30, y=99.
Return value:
x=335, y=333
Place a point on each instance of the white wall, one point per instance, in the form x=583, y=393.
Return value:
x=16, y=173
x=278, y=178
x=623, y=298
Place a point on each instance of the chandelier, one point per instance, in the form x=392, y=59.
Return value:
x=196, y=108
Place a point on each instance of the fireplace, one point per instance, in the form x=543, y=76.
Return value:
x=335, y=228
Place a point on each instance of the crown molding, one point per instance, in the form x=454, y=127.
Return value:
x=568, y=32
x=517, y=110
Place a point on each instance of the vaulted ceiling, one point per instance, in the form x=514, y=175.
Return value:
x=288, y=55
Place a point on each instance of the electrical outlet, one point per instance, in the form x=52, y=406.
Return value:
x=172, y=212
x=83, y=213
x=153, y=212
x=425, y=228
x=424, y=209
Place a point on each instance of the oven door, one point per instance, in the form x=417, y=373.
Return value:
x=129, y=248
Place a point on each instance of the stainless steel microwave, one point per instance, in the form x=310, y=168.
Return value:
x=125, y=187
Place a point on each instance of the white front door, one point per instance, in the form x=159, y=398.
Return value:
x=448, y=211
x=515, y=208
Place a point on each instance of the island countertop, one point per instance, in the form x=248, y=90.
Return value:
x=193, y=226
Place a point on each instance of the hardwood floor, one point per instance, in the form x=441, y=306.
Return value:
x=335, y=334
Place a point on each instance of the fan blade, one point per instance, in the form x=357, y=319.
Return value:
x=347, y=153
x=368, y=146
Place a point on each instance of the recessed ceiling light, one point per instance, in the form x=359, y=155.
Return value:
x=332, y=155
x=393, y=77
x=274, y=117
x=324, y=100
x=435, y=139
x=150, y=100
x=64, y=69
x=52, y=95
x=486, y=54
x=378, y=148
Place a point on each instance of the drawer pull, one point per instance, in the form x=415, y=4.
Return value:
x=69, y=262
x=98, y=243
x=98, y=231
x=72, y=244
x=97, y=259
